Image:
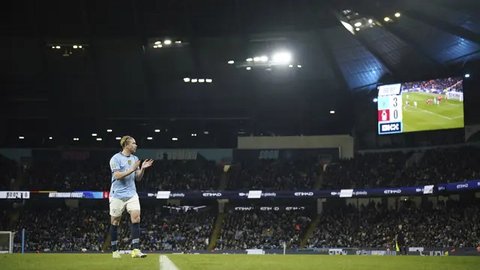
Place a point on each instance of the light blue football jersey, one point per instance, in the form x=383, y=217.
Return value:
x=123, y=188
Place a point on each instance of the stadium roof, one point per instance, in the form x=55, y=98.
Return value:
x=70, y=68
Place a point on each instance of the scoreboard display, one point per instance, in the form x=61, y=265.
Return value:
x=420, y=106
x=390, y=109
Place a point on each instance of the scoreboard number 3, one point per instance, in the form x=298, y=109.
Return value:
x=395, y=105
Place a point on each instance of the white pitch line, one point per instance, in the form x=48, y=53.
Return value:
x=166, y=263
x=436, y=114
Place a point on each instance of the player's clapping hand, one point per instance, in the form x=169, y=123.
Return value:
x=136, y=165
x=147, y=163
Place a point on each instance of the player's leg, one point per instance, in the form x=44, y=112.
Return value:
x=133, y=208
x=135, y=218
x=115, y=222
x=117, y=207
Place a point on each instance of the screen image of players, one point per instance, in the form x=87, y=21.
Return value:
x=433, y=104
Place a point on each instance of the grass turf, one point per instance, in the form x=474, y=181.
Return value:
x=448, y=114
x=237, y=262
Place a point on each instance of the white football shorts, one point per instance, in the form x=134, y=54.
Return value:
x=117, y=206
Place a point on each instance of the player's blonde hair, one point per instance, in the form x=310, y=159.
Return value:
x=124, y=140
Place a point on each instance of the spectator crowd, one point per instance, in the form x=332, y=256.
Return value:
x=61, y=229
x=376, y=169
x=187, y=229
x=393, y=169
x=275, y=175
x=262, y=229
x=179, y=230
x=375, y=226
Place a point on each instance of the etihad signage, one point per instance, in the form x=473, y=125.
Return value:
x=303, y=194
x=212, y=194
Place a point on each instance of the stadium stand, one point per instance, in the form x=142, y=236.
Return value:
x=62, y=229
x=262, y=230
x=454, y=224
x=402, y=169
x=377, y=169
x=57, y=228
x=275, y=175
x=449, y=225
x=183, y=175
x=182, y=230
x=9, y=172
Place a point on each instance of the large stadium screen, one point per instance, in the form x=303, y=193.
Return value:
x=420, y=106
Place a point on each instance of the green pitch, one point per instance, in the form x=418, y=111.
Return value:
x=447, y=114
x=236, y=262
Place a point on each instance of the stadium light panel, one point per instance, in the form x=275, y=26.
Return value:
x=167, y=42
x=80, y=46
x=118, y=138
x=467, y=75
x=94, y=134
x=299, y=66
x=174, y=139
x=249, y=59
x=75, y=46
x=332, y=112
x=375, y=100
x=158, y=42
x=387, y=19
x=262, y=58
x=358, y=24
x=186, y=79
x=201, y=80
x=208, y=80
x=178, y=42
x=149, y=138
x=50, y=138
x=248, y=68
x=397, y=14
x=231, y=62
x=99, y=139
x=157, y=130
x=194, y=80
x=194, y=134
x=21, y=137
x=282, y=58
x=347, y=26
x=109, y=130
x=370, y=21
